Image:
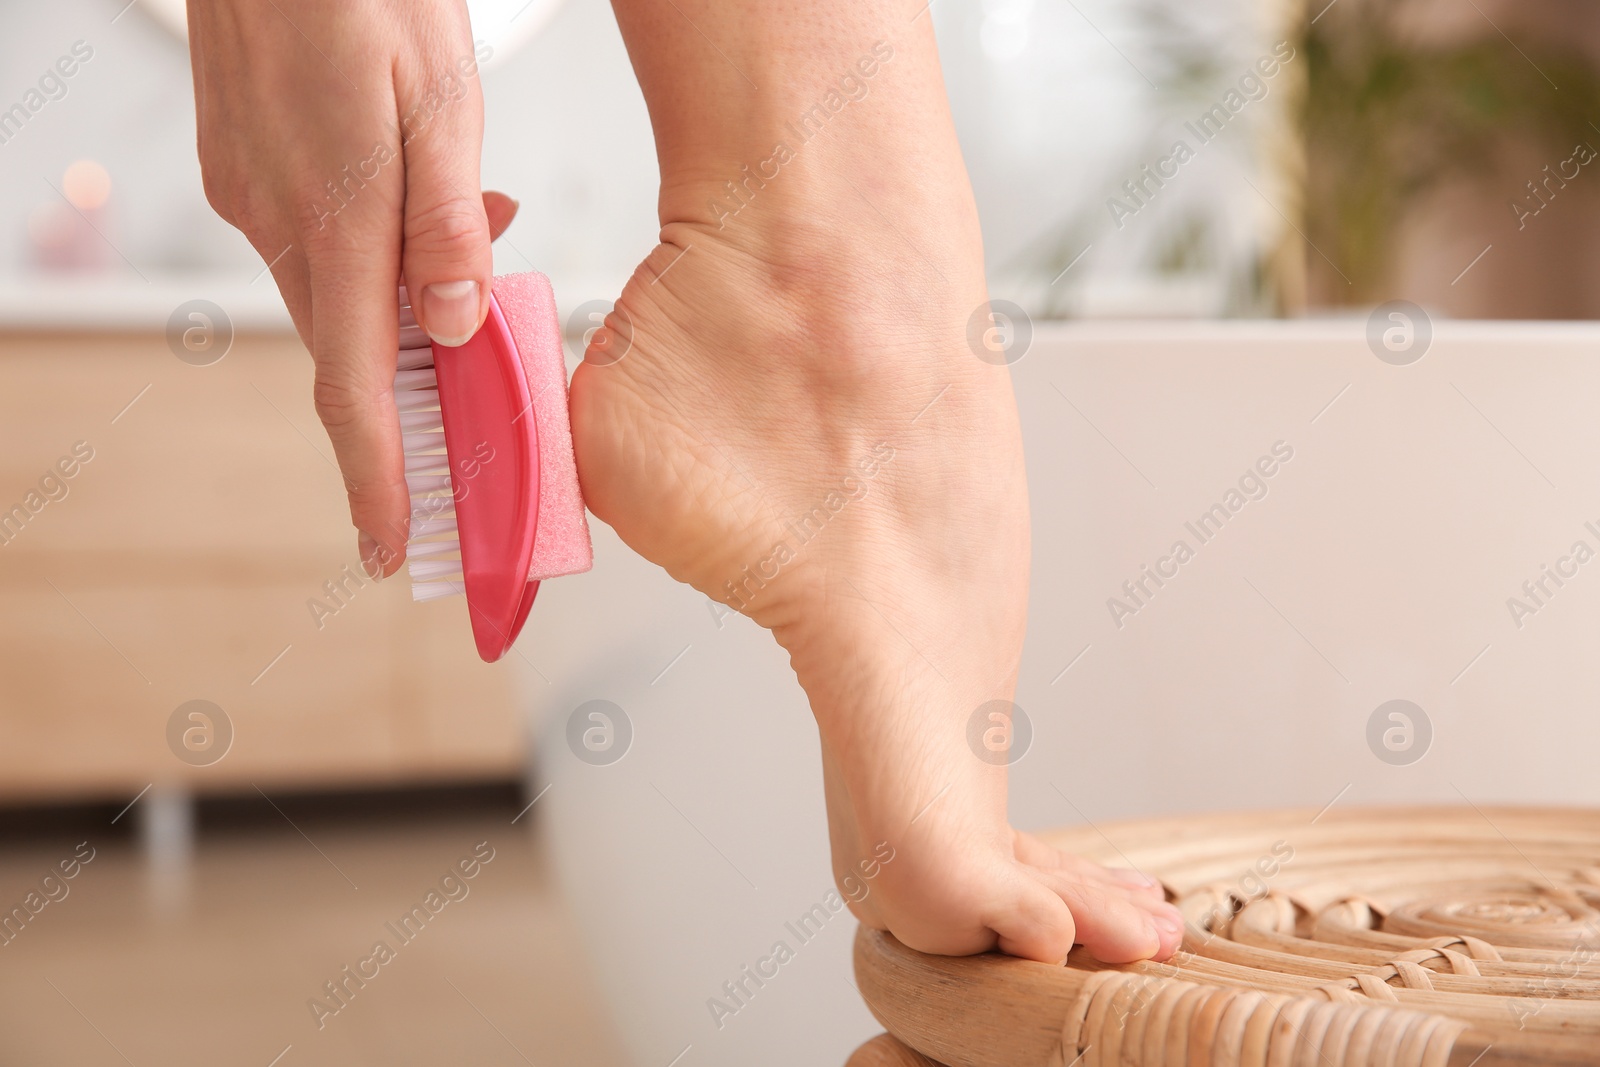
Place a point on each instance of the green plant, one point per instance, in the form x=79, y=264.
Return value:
x=1392, y=110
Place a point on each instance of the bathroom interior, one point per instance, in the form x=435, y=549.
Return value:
x=1374, y=260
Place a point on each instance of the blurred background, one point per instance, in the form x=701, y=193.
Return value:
x=1205, y=218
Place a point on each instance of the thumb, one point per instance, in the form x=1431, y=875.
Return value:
x=445, y=256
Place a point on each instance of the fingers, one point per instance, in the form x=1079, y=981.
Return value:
x=355, y=375
x=355, y=342
x=331, y=165
x=338, y=282
x=447, y=263
x=294, y=285
x=501, y=210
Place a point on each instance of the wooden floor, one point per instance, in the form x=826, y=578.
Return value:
x=124, y=970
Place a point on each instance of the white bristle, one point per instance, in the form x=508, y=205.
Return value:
x=421, y=421
x=416, y=400
x=427, y=463
x=437, y=506
x=422, y=441
x=432, y=526
x=421, y=378
x=427, y=570
x=427, y=509
x=431, y=509
x=412, y=358
x=438, y=502
x=435, y=590
x=427, y=484
x=435, y=554
x=433, y=549
x=432, y=506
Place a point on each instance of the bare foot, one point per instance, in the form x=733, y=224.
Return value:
x=798, y=426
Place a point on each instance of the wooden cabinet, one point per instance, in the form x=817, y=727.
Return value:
x=180, y=562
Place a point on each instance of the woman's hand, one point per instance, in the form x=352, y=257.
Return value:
x=343, y=140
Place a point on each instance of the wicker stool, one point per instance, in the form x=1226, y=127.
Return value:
x=1393, y=937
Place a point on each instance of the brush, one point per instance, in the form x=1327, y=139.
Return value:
x=495, y=504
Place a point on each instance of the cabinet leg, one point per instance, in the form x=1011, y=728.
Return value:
x=167, y=834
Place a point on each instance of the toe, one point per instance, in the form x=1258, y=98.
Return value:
x=1036, y=853
x=1035, y=923
x=1169, y=927
x=1168, y=921
x=1110, y=925
x=1136, y=881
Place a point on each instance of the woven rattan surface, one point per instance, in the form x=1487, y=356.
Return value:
x=1416, y=937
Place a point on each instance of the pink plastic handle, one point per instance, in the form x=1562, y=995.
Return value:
x=493, y=444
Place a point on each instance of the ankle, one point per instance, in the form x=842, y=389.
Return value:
x=873, y=215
